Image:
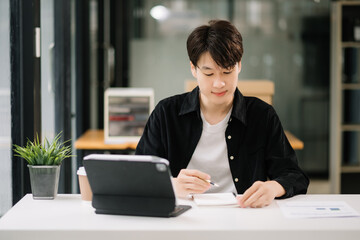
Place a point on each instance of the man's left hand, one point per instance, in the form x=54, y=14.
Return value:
x=261, y=194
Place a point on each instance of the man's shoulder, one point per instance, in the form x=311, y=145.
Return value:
x=171, y=105
x=259, y=107
x=254, y=102
x=172, y=101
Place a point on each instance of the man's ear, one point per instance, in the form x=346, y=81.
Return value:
x=239, y=67
x=193, y=70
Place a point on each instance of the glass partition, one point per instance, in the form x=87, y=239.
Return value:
x=285, y=41
x=5, y=110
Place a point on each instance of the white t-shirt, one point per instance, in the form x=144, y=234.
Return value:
x=211, y=156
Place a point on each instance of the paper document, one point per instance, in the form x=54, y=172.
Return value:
x=317, y=209
x=215, y=199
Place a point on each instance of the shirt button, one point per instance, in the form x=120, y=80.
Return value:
x=231, y=157
x=236, y=179
x=230, y=119
x=229, y=137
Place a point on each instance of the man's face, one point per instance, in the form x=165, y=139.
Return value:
x=217, y=85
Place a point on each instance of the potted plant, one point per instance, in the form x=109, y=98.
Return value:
x=44, y=162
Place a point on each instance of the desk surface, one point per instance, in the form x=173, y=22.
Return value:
x=68, y=217
x=94, y=140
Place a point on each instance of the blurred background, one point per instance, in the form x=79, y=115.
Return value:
x=88, y=46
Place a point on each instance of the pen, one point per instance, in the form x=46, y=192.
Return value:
x=209, y=181
x=212, y=183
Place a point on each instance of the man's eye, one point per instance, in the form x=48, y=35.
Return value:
x=209, y=74
x=227, y=72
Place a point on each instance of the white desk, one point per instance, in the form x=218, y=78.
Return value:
x=68, y=217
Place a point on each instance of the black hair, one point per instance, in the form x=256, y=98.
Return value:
x=221, y=39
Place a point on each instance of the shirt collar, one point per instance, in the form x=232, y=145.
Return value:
x=192, y=104
x=239, y=107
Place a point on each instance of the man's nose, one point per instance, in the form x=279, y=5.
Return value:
x=218, y=83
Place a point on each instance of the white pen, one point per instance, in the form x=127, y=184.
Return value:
x=209, y=181
x=212, y=183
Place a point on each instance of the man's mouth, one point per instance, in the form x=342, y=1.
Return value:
x=219, y=94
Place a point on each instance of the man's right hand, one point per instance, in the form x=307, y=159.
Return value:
x=190, y=181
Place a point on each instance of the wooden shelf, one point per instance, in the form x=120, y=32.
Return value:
x=338, y=87
x=351, y=86
x=350, y=44
x=350, y=127
x=350, y=169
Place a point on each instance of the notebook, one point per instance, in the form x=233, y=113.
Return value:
x=131, y=185
x=216, y=199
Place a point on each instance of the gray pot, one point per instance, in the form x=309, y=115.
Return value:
x=44, y=181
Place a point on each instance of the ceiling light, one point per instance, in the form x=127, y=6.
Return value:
x=159, y=12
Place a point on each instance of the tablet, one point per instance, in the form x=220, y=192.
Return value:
x=131, y=185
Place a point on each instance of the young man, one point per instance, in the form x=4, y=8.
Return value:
x=216, y=133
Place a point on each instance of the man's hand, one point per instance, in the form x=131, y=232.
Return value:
x=260, y=194
x=190, y=181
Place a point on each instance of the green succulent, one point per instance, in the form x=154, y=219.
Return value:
x=48, y=153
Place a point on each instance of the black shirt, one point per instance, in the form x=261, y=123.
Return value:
x=256, y=143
